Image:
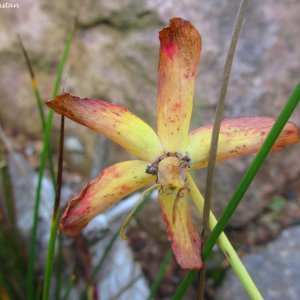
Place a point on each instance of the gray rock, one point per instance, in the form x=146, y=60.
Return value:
x=115, y=54
x=275, y=269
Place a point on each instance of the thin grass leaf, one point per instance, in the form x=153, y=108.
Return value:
x=33, y=82
x=8, y=197
x=59, y=268
x=109, y=246
x=11, y=264
x=244, y=184
x=39, y=104
x=160, y=274
x=125, y=288
x=5, y=285
x=55, y=216
x=99, y=265
x=12, y=250
x=215, y=135
x=282, y=119
x=63, y=62
x=50, y=257
x=69, y=287
x=32, y=252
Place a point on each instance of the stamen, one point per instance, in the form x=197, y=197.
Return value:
x=130, y=215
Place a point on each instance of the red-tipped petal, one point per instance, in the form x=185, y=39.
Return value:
x=238, y=136
x=180, y=46
x=110, y=186
x=112, y=120
x=185, y=241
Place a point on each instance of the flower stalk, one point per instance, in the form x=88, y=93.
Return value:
x=225, y=246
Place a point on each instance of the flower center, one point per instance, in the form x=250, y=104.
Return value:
x=170, y=169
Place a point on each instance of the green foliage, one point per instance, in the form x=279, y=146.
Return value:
x=12, y=250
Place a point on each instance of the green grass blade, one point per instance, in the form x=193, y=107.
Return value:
x=32, y=250
x=48, y=128
x=50, y=257
x=12, y=259
x=33, y=83
x=109, y=246
x=160, y=274
x=102, y=259
x=59, y=268
x=55, y=216
x=62, y=63
x=12, y=250
x=185, y=284
x=282, y=119
x=5, y=182
x=39, y=104
x=69, y=287
x=5, y=286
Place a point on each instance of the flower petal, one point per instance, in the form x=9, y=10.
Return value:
x=110, y=186
x=180, y=46
x=112, y=120
x=185, y=241
x=238, y=136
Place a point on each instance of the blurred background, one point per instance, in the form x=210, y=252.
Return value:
x=114, y=57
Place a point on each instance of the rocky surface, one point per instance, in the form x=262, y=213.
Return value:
x=115, y=54
x=275, y=269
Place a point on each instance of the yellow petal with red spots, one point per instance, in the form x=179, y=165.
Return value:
x=180, y=46
x=184, y=238
x=112, y=120
x=238, y=136
x=110, y=186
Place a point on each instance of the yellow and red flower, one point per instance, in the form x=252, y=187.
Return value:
x=167, y=156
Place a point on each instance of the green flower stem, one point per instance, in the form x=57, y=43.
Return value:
x=50, y=257
x=226, y=247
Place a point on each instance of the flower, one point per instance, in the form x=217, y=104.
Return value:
x=167, y=156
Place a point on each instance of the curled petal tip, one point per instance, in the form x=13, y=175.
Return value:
x=180, y=46
x=112, y=120
x=181, y=38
